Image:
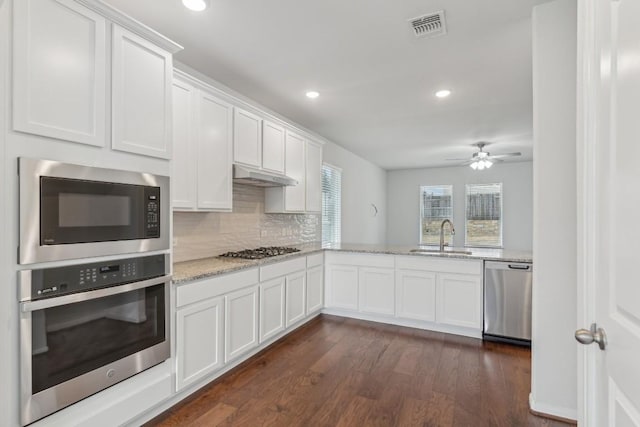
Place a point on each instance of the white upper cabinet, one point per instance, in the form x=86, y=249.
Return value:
x=59, y=78
x=214, y=155
x=273, y=147
x=183, y=178
x=203, y=143
x=247, y=138
x=313, y=179
x=294, y=200
x=141, y=96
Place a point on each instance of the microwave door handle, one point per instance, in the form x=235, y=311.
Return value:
x=29, y=306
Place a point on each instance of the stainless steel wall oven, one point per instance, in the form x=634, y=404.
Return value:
x=86, y=327
x=71, y=211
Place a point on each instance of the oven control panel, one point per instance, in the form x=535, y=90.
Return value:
x=53, y=282
x=152, y=212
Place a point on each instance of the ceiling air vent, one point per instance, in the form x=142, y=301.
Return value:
x=430, y=25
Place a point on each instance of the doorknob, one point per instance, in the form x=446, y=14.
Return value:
x=595, y=334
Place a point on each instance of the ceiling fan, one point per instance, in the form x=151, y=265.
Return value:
x=483, y=159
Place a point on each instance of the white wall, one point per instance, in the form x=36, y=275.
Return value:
x=363, y=184
x=554, y=353
x=403, y=201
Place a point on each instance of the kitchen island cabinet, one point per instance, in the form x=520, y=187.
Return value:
x=425, y=292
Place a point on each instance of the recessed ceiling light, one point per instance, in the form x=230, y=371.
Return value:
x=312, y=94
x=195, y=5
x=443, y=93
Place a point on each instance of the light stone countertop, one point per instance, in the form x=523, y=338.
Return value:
x=188, y=271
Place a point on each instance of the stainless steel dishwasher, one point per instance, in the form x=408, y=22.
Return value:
x=507, y=301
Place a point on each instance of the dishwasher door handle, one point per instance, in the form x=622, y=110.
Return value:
x=519, y=267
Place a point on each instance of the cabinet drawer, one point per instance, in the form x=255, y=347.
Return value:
x=189, y=293
x=360, y=260
x=279, y=269
x=315, y=259
x=439, y=265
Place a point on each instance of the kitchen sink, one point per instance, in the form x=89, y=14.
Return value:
x=438, y=251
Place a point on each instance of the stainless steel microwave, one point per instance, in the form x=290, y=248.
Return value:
x=71, y=211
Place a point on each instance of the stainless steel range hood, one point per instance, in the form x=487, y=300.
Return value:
x=260, y=178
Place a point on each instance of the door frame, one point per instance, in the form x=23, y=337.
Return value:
x=586, y=144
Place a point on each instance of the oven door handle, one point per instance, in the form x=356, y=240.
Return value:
x=28, y=306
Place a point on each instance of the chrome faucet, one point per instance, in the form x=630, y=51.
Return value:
x=453, y=231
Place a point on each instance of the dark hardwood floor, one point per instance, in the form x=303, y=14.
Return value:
x=345, y=372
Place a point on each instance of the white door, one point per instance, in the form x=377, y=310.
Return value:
x=295, y=200
x=247, y=138
x=376, y=290
x=142, y=74
x=214, y=142
x=59, y=81
x=313, y=177
x=459, y=300
x=296, y=297
x=416, y=295
x=241, y=322
x=342, y=286
x=609, y=137
x=315, y=286
x=271, y=308
x=183, y=179
x=272, y=147
x=198, y=341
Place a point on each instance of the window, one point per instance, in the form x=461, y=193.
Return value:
x=331, y=203
x=436, y=205
x=484, y=215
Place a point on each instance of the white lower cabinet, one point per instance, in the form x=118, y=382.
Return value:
x=272, y=303
x=295, y=297
x=315, y=289
x=241, y=322
x=416, y=295
x=199, y=340
x=459, y=299
x=342, y=286
x=376, y=289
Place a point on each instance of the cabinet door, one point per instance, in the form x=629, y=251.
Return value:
x=59, y=76
x=313, y=177
x=376, y=290
x=459, y=300
x=416, y=295
x=272, y=305
x=183, y=179
x=247, y=138
x=214, y=157
x=295, y=200
x=296, y=297
x=342, y=286
x=141, y=108
x=198, y=341
x=272, y=147
x=241, y=322
x=315, y=288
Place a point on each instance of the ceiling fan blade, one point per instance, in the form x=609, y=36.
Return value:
x=457, y=160
x=500, y=156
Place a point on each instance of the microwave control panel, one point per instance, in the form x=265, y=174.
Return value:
x=53, y=282
x=152, y=212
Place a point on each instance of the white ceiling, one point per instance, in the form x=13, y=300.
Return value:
x=375, y=78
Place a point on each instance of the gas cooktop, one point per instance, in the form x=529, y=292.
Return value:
x=259, y=253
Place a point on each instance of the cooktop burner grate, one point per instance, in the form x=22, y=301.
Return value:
x=259, y=253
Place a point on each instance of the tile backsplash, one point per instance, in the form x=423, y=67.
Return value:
x=206, y=234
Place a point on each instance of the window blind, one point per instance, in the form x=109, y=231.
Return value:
x=331, y=204
x=483, y=215
x=436, y=205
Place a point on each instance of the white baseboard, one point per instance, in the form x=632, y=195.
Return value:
x=552, y=410
x=419, y=324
